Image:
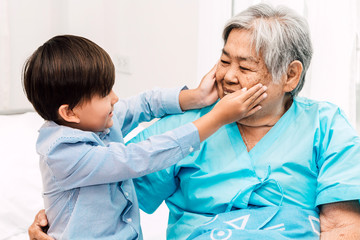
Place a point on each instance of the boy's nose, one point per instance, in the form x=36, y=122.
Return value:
x=114, y=97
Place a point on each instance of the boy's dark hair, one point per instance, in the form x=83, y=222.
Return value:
x=66, y=70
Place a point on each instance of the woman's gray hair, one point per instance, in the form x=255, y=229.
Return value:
x=279, y=34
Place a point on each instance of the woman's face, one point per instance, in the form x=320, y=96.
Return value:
x=241, y=67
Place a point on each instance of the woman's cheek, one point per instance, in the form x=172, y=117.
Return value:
x=250, y=82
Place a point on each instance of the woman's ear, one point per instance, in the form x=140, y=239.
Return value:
x=68, y=114
x=293, y=75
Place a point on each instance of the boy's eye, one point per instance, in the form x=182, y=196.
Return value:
x=224, y=62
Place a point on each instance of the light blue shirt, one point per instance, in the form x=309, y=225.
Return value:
x=87, y=176
x=310, y=157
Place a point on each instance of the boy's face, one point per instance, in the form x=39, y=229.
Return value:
x=96, y=114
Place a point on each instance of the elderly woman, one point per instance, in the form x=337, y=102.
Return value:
x=290, y=171
x=295, y=153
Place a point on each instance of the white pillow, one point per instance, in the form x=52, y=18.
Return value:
x=20, y=183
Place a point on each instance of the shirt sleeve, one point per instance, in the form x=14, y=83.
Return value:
x=339, y=160
x=75, y=163
x=146, y=106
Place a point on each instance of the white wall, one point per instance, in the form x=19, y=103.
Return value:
x=24, y=26
x=160, y=37
x=157, y=39
x=213, y=15
x=167, y=43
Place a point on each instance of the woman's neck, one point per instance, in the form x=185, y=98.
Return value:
x=252, y=135
x=254, y=129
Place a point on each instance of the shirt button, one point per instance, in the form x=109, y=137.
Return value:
x=126, y=194
x=129, y=219
x=191, y=149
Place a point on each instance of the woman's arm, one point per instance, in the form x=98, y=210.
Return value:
x=340, y=220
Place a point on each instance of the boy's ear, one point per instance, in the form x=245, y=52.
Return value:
x=68, y=114
x=293, y=75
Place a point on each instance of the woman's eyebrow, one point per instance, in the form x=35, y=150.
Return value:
x=241, y=58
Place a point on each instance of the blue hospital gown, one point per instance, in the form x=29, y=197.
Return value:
x=310, y=157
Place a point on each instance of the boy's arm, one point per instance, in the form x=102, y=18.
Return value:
x=80, y=164
x=146, y=106
x=159, y=102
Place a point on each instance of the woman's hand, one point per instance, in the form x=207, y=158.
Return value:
x=204, y=95
x=37, y=228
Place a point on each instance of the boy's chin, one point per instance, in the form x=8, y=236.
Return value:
x=109, y=124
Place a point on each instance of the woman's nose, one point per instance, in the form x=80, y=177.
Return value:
x=231, y=77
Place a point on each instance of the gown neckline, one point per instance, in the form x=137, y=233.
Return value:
x=266, y=141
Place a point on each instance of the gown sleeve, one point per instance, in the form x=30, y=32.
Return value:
x=339, y=159
x=156, y=187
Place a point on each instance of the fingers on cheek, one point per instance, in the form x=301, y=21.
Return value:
x=220, y=92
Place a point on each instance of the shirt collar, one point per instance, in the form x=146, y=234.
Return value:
x=103, y=134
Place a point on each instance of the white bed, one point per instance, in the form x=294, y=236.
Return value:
x=20, y=184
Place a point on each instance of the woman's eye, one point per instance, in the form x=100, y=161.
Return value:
x=244, y=68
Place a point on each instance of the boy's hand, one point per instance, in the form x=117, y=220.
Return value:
x=206, y=91
x=240, y=104
x=231, y=108
x=204, y=95
x=36, y=231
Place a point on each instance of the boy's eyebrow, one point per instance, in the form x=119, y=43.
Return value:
x=240, y=58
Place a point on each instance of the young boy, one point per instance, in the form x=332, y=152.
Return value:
x=86, y=169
